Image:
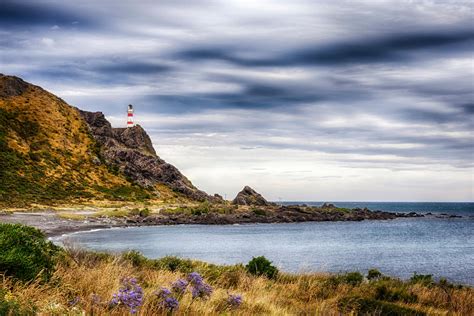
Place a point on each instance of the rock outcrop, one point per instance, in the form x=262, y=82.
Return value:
x=131, y=151
x=54, y=152
x=11, y=86
x=249, y=196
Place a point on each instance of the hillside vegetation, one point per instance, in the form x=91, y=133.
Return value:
x=47, y=153
x=99, y=284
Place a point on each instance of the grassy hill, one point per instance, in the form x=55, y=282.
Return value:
x=47, y=153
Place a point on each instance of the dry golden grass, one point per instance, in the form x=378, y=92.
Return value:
x=52, y=156
x=87, y=275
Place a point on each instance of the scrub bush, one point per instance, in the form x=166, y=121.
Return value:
x=25, y=253
x=374, y=274
x=353, y=278
x=365, y=306
x=9, y=306
x=172, y=263
x=424, y=279
x=262, y=266
x=392, y=294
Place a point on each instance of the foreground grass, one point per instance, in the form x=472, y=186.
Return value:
x=84, y=282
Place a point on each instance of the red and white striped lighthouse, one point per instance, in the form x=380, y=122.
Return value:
x=130, y=116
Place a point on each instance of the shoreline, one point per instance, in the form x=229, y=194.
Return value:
x=100, y=242
x=53, y=225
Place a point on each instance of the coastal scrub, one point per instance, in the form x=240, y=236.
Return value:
x=105, y=284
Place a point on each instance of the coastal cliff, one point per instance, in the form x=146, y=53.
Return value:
x=130, y=151
x=51, y=152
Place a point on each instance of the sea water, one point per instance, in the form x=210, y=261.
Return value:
x=443, y=247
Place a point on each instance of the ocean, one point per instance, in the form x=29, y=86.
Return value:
x=451, y=208
x=443, y=247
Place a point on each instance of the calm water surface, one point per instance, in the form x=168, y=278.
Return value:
x=443, y=247
x=458, y=208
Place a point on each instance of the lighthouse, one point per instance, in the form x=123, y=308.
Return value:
x=130, y=116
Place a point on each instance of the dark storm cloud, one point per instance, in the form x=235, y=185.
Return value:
x=467, y=108
x=134, y=67
x=395, y=83
x=431, y=116
x=18, y=13
x=99, y=71
x=391, y=48
x=253, y=95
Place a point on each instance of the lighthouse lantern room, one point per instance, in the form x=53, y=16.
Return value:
x=130, y=116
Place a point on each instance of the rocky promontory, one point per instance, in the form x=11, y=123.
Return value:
x=56, y=223
x=266, y=214
x=130, y=150
x=249, y=196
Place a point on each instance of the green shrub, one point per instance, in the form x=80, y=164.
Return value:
x=425, y=279
x=262, y=266
x=172, y=263
x=259, y=211
x=203, y=208
x=135, y=258
x=352, y=278
x=366, y=306
x=13, y=308
x=332, y=282
x=142, y=213
x=25, y=253
x=446, y=285
x=392, y=294
x=374, y=274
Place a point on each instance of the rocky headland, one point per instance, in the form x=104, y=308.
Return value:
x=55, y=154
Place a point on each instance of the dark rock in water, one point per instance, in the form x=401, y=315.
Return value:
x=249, y=196
x=328, y=205
x=131, y=150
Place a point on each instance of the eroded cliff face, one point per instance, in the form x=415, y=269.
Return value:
x=131, y=151
x=51, y=152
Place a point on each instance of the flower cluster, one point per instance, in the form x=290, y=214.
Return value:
x=169, y=298
x=167, y=301
x=199, y=289
x=179, y=286
x=163, y=293
x=195, y=278
x=129, y=295
x=234, y=300
x=170, y=303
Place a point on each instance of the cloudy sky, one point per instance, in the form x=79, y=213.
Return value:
x=302, y=100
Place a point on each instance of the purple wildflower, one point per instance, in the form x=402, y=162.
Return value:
x=179, y=286
x=166, y=299
x=163, y=293
x=201, y=290
x=170, y=303
x=130, y=294
x=234, y=300
x=195, y=278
